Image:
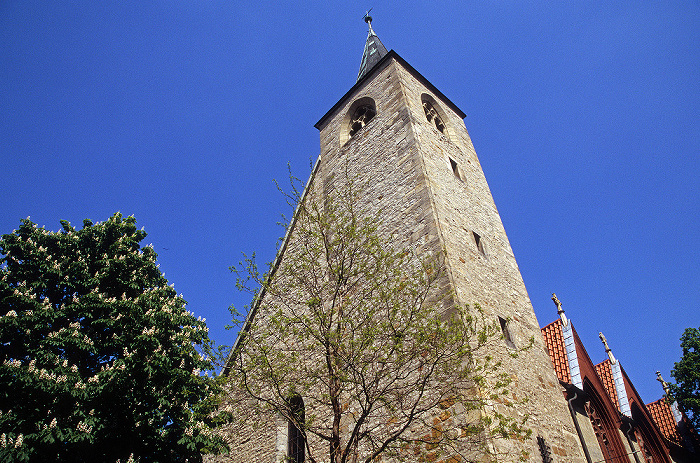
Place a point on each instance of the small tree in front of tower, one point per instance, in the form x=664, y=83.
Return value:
x=359, y=329
x=99, y=356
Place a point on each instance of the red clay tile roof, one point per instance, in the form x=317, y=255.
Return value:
x=605, y=374
x=663, y=417
x=554, y=340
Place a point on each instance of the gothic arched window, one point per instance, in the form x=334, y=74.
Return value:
x=600, y=431
x=363, y=114
x=296, y=442
x=433, y=117
x=358, y=115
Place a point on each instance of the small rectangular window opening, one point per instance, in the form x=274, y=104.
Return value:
x=479, y=243
x=454, y=168
x=506, y=332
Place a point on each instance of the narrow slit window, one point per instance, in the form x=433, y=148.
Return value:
x=296, y=442
x=455, y=169
x=506, y=332
x=479, y=243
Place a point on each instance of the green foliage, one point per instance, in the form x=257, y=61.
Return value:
x=686, y=372
x=363, y=330
x=98, y=357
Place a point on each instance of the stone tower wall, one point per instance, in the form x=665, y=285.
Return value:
x=384, y=159
x=406, y=162
x=402, y=164
x=488, y=274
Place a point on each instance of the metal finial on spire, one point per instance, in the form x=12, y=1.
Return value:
x=560, y=311
x=368, y=20
x=374, y=49
x=608, y=350
x=664, y=384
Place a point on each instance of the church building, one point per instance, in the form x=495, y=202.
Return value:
x=612, y=421
x=398, y=133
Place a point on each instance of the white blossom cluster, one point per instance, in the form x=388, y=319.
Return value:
x=82, y=427
x=44, y=374
x=72, y=331
x=149, y=331
x=113, y=367
x=131, y=459
x=6, y=441
x=201, y=428
x=12, y=363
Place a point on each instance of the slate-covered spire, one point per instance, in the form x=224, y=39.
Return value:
x=567, y=331
x=374, y=50
x=667, y=392
x=619, y=381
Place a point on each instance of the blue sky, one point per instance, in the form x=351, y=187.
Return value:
x=585, y=117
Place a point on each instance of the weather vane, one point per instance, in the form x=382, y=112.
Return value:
x=368, y=18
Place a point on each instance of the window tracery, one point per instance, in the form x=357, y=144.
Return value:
x=433, y=117
x=600, y=432
x=363, y=114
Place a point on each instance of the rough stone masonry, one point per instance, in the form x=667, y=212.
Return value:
x=426, y=179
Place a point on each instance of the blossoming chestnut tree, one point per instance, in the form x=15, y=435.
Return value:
x=99, y=358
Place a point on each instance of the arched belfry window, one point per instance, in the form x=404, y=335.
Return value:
x=358, y=116
x=363, y=114
x=432, y=115
x=296, y=442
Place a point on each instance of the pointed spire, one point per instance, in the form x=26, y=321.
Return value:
x=567, y=331
x=619, y=381
x=374, y=49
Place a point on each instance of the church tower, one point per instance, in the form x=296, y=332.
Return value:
x=408, y=145
x=399, y=133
